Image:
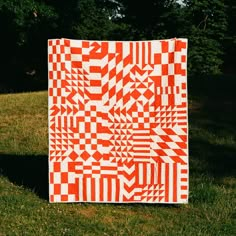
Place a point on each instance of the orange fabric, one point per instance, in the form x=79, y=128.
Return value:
x=118, y=128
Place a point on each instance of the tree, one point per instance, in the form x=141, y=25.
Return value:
x=25, y=26
x=93, y=21
x=229, y=43
x=205, y=28
x=151, y=19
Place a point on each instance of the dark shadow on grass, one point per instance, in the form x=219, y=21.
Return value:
x=216, y=160
x=216, y=115
x=28, y=171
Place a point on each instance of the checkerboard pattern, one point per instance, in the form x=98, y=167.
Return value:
x=118, y=126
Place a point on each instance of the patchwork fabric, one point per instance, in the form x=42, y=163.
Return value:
x=118, y=129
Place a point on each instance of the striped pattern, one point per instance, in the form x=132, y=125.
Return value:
x=118, y=125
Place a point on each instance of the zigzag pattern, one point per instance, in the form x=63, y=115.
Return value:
x=118, y=129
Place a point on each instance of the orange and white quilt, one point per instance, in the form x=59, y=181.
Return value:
x=118, y=125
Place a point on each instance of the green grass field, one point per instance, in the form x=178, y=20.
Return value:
x=24, y=206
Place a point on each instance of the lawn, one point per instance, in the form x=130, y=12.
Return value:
x=24, y=206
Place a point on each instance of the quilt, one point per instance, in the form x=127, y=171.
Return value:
x=118, y=122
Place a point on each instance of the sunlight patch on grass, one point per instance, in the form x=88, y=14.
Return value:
x=23, y=123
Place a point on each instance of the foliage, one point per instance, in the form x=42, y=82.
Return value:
x=27, y=24
x=93, y=22
x=230, y=38
x=25, y=27
x=150, y=20
x=24, y=15
x=205, y=29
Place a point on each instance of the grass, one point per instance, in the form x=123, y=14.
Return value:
x=24, y=207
